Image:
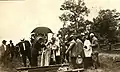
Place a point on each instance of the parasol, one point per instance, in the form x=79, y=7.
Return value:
x=42, y=30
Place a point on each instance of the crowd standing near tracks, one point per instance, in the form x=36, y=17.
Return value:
x=41, y=53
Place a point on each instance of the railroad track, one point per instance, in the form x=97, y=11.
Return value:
x=51, y=68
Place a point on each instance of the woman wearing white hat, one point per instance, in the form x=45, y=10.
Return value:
x=95, y=48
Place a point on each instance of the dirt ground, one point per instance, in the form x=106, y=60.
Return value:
x=109, y=62
x=11, y=66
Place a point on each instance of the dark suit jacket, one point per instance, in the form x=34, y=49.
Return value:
x=3, y=52
x=11, y=48
x=27, y=47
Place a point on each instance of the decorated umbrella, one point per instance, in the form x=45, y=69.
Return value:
x=42, y=30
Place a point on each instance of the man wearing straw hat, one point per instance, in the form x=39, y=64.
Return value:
x=25, y=51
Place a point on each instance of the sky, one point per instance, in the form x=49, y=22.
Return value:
x=19, y=18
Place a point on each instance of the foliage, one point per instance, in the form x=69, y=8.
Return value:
x=73, y=18
x=105, y=24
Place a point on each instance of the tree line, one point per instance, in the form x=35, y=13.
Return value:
x=106, y=26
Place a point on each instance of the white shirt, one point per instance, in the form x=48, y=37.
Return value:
x=4, y=47
x=10, y=45
x=58, y=52
x=24, y=46
x=54, y=47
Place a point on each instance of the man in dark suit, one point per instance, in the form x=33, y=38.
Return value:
x=3, y=49
x=12, y=49
x=25, y=50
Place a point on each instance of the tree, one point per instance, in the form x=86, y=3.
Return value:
x=73, y=17
x=105, y=24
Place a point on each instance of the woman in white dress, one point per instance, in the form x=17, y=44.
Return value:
x=88, y=53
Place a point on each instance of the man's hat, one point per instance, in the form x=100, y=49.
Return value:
x=39, y=38
x=4, y=41
x=91, y=34
x=82, y=34
x=10, y=40
x=71, y=38
x=71, y=35
x=22, y=39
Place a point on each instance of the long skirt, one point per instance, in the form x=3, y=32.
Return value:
x=88, y=62
x=34, y=57
x=42, y=63
x=45, y=58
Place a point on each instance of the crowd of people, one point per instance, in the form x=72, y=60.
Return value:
x=7, y=52
x=83, y=46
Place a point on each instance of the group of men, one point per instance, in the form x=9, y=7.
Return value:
x=32, y=53
x=7, y=51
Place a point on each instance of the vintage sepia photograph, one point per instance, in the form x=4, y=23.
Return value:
x=59, y=36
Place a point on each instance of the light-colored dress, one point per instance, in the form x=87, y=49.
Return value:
x=54, y=47
x=47, y=56
x=43, y=57
x=88, y=50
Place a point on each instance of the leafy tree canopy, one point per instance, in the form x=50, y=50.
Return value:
x=73, y=17
x=105, y=24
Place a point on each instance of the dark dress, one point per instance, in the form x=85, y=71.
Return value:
x=36, y=48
